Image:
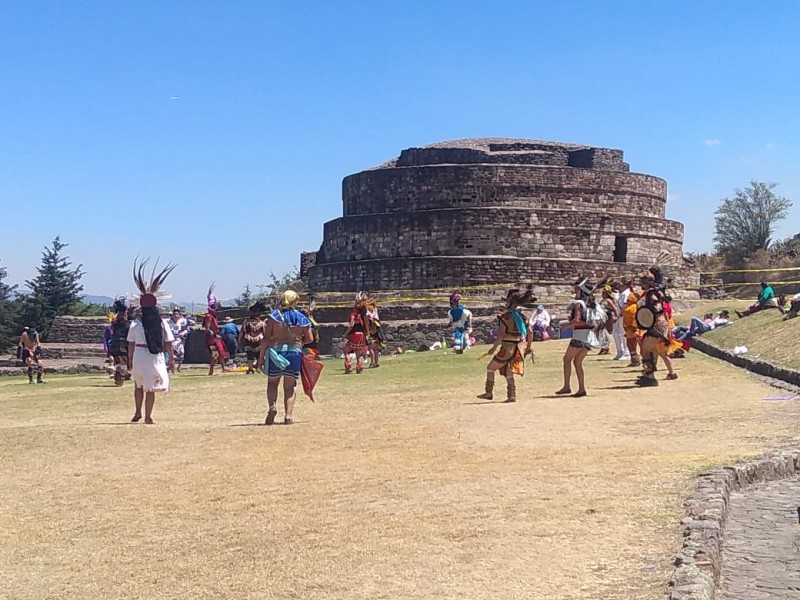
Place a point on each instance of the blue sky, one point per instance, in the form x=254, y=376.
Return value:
x=216, y=134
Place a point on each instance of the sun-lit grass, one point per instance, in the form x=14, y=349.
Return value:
x=397, y=484
x=766, y=334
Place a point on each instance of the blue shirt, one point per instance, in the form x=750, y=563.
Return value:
x=229, y=330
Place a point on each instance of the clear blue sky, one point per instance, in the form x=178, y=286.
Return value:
x=216, y=134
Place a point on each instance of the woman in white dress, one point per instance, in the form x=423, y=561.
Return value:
x=148, y=339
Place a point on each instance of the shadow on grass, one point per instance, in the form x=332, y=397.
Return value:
x=479, y=402
x=276, y=424
x=632, y=386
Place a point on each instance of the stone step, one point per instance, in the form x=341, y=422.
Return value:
x=55, y=351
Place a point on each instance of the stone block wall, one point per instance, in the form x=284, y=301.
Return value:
x=77, y=330
x=498, y=186
x=457, y=271
x=501, y=231
x=481, y=211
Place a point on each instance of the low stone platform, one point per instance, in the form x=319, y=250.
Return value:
x=761, y=545
x=10, y=366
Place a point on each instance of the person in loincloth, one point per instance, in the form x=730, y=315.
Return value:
x=281, y=354
x=118, y=343
x=356, y=335
x=657, y=340
x=376, y=338
x=31, y=353
x=514, y=343
x=252, y=334
x=215, y=343
x=583, y=336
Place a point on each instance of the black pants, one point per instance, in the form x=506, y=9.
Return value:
x=230, y=346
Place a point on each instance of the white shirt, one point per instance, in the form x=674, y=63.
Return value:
x=623, y=299
x=466, y=319
x=136, y=333
x=541, y=316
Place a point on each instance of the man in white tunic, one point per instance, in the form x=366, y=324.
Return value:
x=149, y=338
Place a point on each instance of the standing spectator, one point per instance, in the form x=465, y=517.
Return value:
x=230, y=335
x=609, y=304
x=619, y=328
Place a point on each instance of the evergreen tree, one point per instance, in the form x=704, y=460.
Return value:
x=56, y=290
x=8, y=312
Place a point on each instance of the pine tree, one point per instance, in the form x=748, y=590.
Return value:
x=8, y=312
x=55, y=291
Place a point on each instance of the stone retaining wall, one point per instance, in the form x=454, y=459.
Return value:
x=699, y=564
x=77, y=330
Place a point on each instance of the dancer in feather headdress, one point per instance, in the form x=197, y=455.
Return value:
x=149, y=338
x=118, y=342
x=252, y=334
x=512, y=333
x=585, y=317
x=653, y=316
x=215, y=343
x=357, y=334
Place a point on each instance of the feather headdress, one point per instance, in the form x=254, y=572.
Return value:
x=150, y=288
x=364, y=302
x=588, y=287
x=213, y=303
x=517, y=297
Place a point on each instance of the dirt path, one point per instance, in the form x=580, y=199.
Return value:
x=398, y=484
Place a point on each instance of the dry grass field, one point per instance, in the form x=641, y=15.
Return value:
x=398, y=484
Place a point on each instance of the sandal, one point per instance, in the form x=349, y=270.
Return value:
x=288, y=421
x=271, y=414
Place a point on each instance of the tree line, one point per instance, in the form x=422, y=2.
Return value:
x=55, y=290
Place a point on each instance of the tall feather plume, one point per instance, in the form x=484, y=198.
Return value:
x=153, y=285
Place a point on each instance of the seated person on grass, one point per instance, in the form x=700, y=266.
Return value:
x=794, y=309
x=698, y=327
x=766, y=299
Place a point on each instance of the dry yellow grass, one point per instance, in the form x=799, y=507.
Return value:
x=398, y=484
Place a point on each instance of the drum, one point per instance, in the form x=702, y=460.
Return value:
x=645, y=317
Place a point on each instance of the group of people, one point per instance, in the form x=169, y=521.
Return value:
x=364, y=337
x=639, y=318
x=276, y=345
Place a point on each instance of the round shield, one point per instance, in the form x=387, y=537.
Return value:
x=645, y=317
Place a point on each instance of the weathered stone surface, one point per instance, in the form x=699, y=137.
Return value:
x=761, y=548
x=699, y=565
x=473, y=212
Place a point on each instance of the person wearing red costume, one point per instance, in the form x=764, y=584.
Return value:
x=216, y=346
x=356, y=334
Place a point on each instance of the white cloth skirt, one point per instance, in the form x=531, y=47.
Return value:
x=150, y=371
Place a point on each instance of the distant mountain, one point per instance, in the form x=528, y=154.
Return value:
x=93, y=299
